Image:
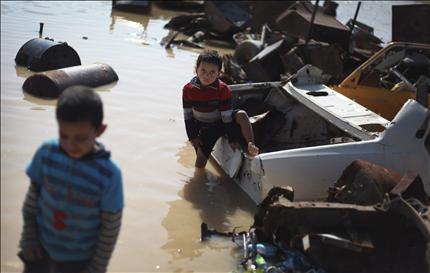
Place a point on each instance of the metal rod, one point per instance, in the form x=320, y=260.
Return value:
x=40, y=29
x=423, y=87
x=312, y=21
x=353, y=22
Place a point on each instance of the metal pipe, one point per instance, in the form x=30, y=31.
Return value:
x=40, y=29
x=353, y=22
x=312, y=21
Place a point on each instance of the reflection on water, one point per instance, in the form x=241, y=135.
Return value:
x=23, y=72
x=39, y=101
x=215, y=200
x=138, y=19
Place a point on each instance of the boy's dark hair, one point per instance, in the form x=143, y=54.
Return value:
x=80, y=103
x=209, y=56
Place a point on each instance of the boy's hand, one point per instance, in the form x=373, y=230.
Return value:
x=235, y=146
x=196, y=142
x=32, y=253
x=252, y=150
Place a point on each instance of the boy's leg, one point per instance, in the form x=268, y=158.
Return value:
x=241, y=118
x=201, y=159
x=209, y=135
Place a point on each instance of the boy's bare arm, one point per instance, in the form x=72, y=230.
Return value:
x=108, y=235
x=29, y=243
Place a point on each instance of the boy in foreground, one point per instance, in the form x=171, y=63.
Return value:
x=73, y=208
x=208, y=112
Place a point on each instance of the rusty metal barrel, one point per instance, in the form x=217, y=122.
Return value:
x=45, y=54
x=51, y=83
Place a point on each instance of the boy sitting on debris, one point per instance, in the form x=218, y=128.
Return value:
x=73, y=208
x=208, y=112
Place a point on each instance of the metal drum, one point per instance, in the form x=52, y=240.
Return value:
x=50, y=84
x=44, y=54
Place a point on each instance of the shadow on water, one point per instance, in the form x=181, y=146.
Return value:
x=23, y=72
x=205, y=197
x=53, y=102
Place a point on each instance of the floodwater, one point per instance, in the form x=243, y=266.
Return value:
x=165, y=200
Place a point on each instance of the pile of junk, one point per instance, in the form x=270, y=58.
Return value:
x=373, y=220
x=273, y=39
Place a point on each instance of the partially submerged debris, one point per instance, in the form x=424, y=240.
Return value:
x=308, y=133
x=389, y=234
x=45, y=54
x=51, y=83
x=259, y=26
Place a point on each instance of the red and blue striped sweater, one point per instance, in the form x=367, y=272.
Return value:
x=206, y=104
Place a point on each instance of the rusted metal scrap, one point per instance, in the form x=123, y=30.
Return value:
x=365, y=183
x=45, y=54
x=51, y=83
x=296, y=21
x=338, y=237
x=390, y=235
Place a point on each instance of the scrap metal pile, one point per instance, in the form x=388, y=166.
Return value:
x=373, y=220
x=273, y=39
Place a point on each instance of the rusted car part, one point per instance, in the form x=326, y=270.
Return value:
x=137, y=6
x=44, y=54
x=297, y=21
x=51, y=83
x=316, y=126
x=373, y=83
x=411, y=23
x=365, y=183
x=391, y=237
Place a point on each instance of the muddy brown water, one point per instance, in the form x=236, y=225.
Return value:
x=165, y=200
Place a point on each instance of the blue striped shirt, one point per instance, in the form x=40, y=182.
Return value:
x=73, y=194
